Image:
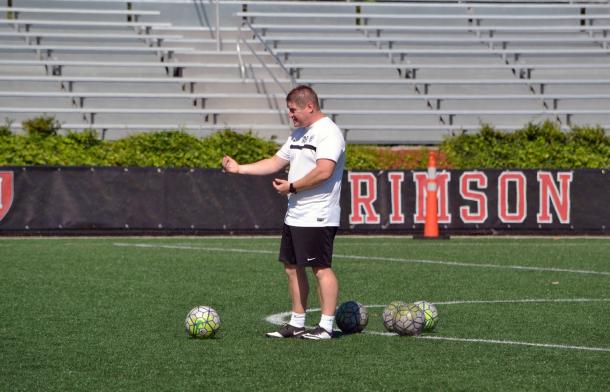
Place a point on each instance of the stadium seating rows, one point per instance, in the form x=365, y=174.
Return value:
x=392, y=72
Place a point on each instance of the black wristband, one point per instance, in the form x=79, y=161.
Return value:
x=291, y=188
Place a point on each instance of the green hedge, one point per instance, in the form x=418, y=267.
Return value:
x=535, y=146
x=173, y=149
x=158, y=149
x=44, y=145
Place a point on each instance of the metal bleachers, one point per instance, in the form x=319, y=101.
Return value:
x=389, y=72
x=448, y=50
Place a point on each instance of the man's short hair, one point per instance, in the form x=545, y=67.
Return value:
x=302, y=95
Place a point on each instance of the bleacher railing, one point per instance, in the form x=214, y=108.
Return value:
x=242, y=41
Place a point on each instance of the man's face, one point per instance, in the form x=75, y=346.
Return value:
x=301, y=117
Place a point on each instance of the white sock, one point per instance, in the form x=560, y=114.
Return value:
x=326, y=322
x=297, y=320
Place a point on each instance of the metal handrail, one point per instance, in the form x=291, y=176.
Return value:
x=240, y=40
x=242, y=65
x=217, y=22
x=267, y=49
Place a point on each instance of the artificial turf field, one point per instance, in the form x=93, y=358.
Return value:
x=108, y=314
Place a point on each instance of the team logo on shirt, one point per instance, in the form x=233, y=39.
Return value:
x=303, y=143
x=304, y=139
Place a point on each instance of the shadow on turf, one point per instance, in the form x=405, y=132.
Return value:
x=340, y=334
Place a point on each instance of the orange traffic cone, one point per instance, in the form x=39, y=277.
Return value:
x=431, y=223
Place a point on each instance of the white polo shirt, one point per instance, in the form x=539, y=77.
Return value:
x=318, y=206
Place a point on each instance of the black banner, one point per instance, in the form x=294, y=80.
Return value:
x=133, y=200
x=140, y=199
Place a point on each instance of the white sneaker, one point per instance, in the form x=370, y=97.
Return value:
x=287, y=331
x=317, y=333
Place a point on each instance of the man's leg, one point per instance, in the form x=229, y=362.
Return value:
x=328, y=287
x=298, y=287
x=328, y=290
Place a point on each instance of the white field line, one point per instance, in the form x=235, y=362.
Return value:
x=372, y=258
x=555, y=243
x=473, y=238
x=476, y=265
x=281, y=318
x=190, y=247
x=520, y=301
x=515, y=343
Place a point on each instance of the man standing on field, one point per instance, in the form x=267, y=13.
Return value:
x=316, y=153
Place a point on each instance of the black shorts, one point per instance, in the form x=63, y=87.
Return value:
x=307, y=246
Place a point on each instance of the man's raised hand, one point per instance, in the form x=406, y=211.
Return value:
x=230, y=165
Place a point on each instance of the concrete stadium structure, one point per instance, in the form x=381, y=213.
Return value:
x=388, y=72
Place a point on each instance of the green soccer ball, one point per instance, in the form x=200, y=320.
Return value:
x=430, y=313
x=202, y=322
x=351, y=317
x=388, y=314
x=409, y=320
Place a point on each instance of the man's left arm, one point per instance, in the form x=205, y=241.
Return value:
x=322, y=172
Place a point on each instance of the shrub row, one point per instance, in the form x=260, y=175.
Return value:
x=43, y=144
x=535, y=146
x=158, y=149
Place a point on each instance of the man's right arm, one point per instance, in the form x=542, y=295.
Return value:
x=260, y=168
